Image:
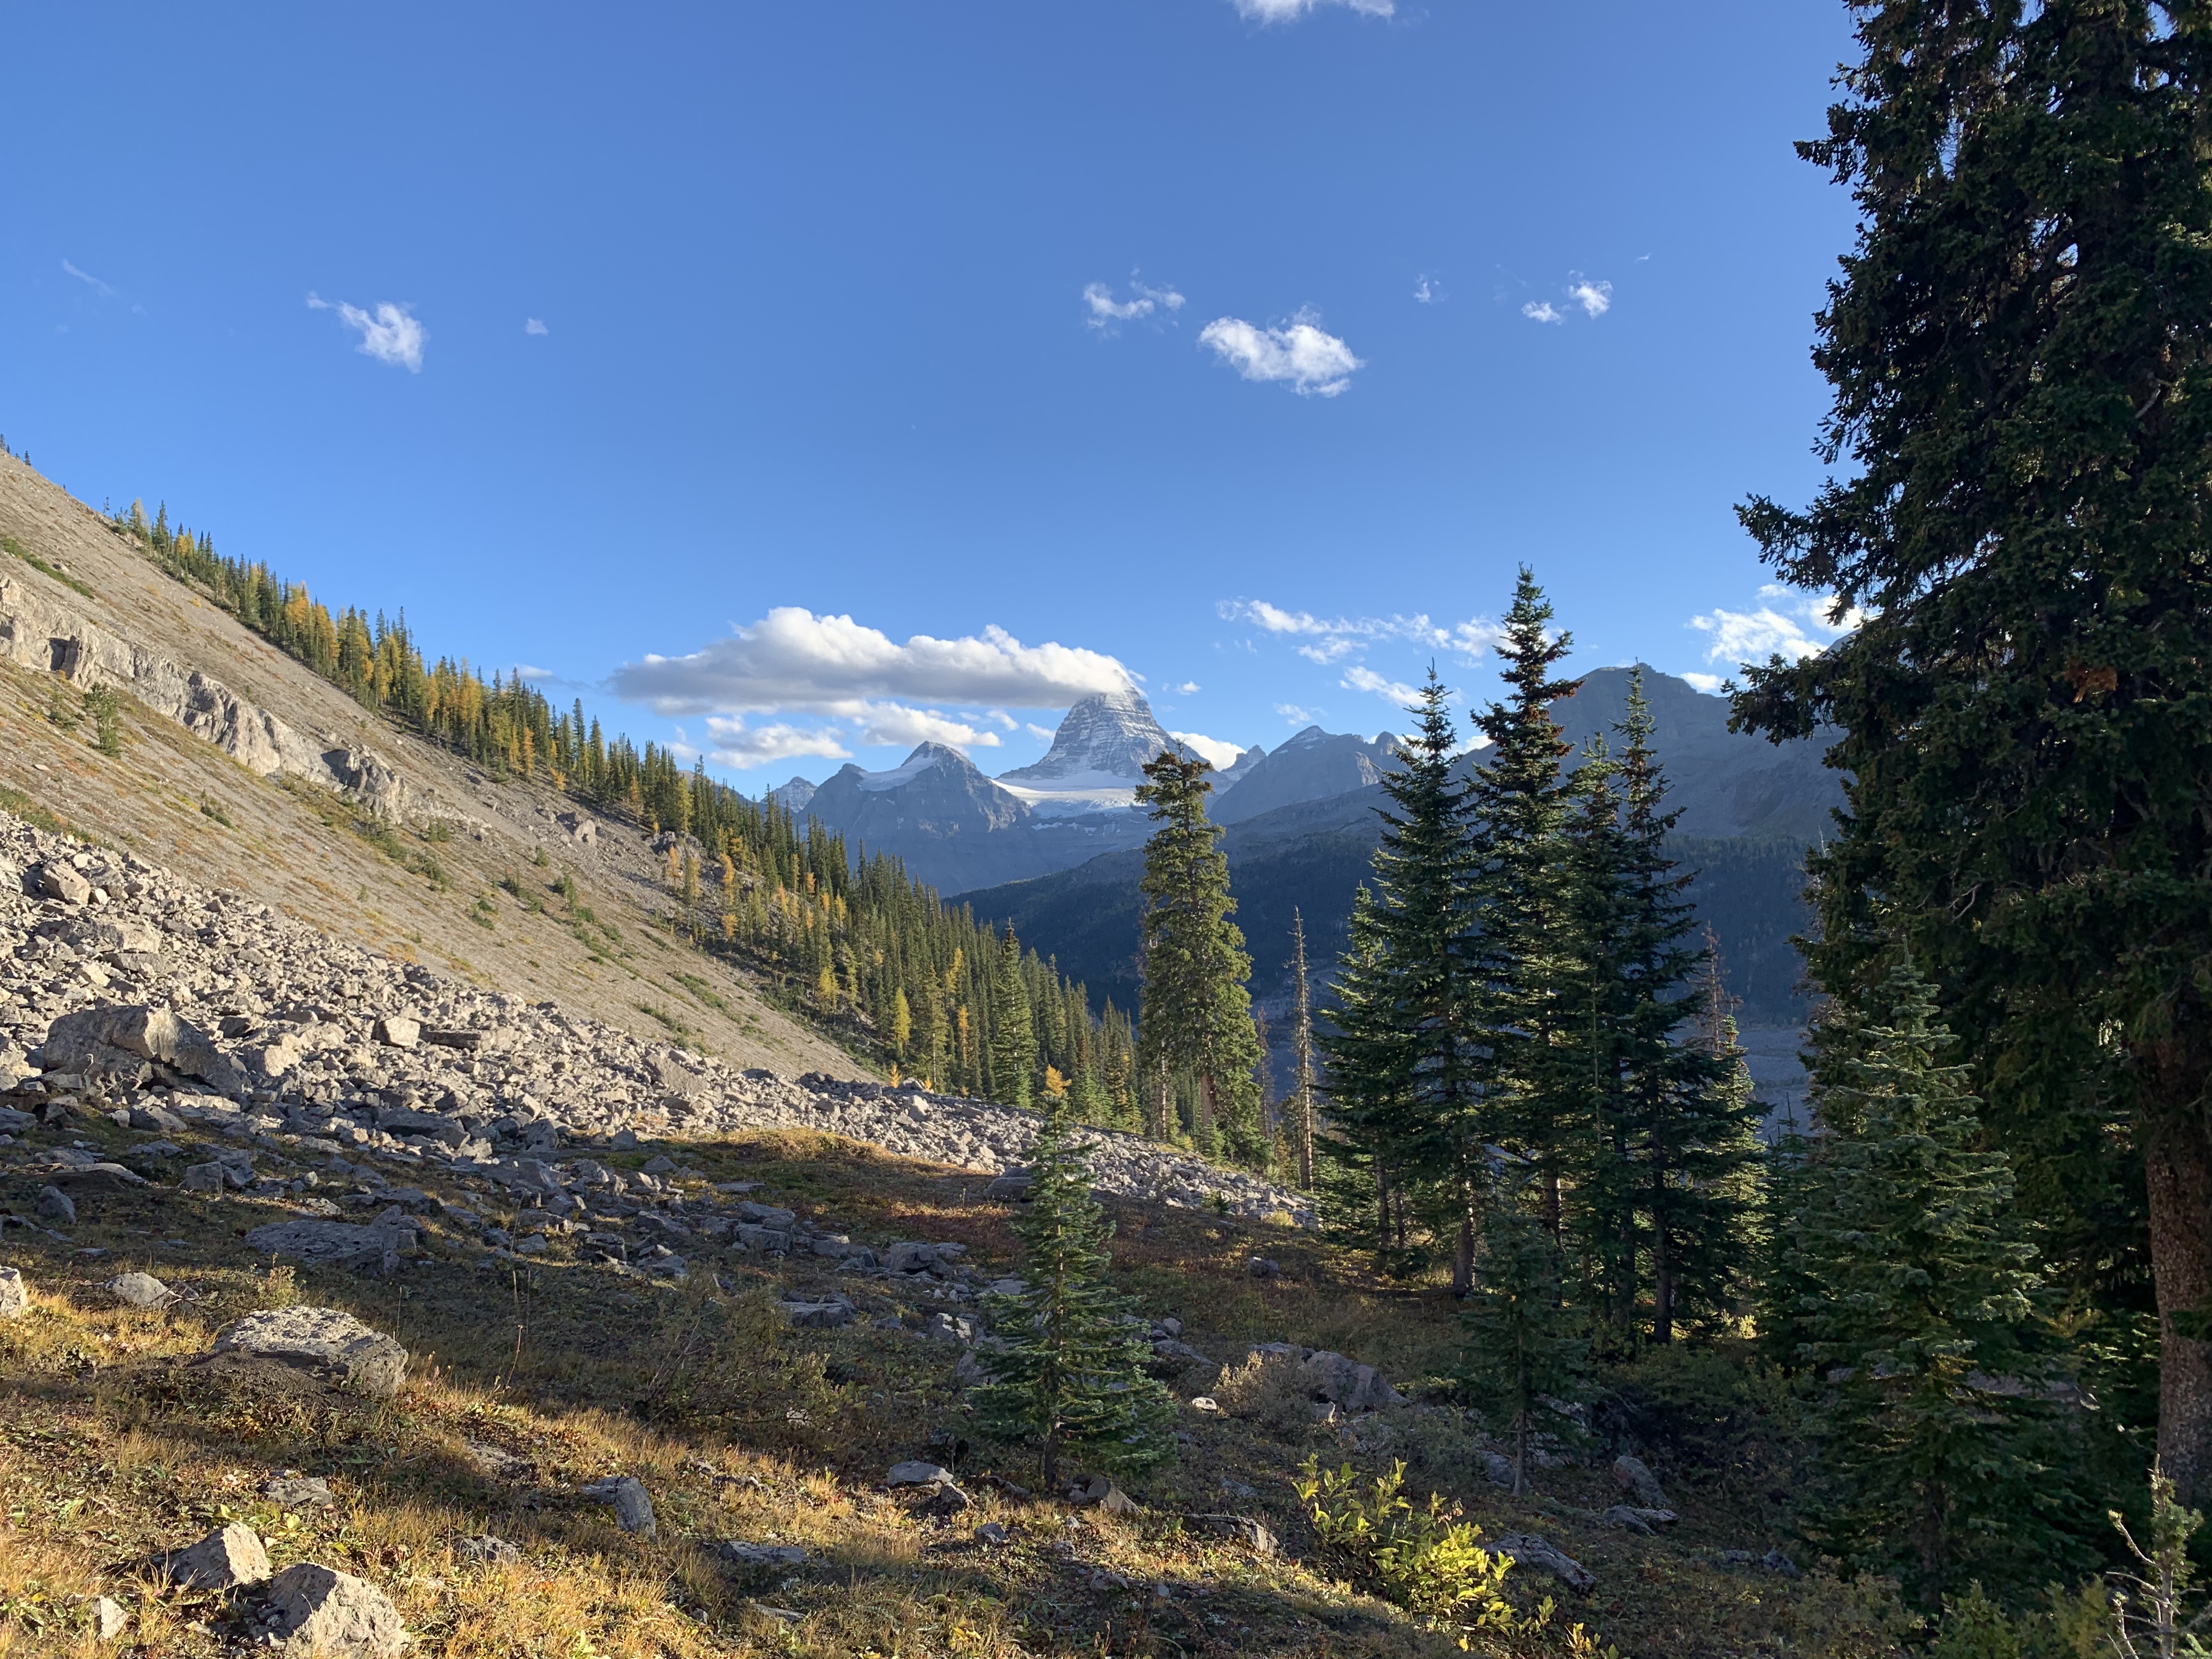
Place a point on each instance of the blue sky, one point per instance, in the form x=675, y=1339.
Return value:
x=846, y=356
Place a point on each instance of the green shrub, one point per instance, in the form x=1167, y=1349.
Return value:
x=1427, y=1559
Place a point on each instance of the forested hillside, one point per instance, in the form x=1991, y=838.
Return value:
x=846, y=939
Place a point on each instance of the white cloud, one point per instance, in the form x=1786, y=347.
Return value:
x=794, y=661
x=1427, y=289
x=90, y=281
x=1046, y=732
x=1595, y=298
x=1143, y=302
x=528, y=672
x=1786, y=622
x=1360, y=678
x=1335, y=637
x=390, y=336
x=1298, y=716
x=1708, y=684
x=1187, y=689
x=531, y=326
x=1222, y=754
x=896, y=724
x=1298, y=354
x=736, y=745
x=1543, y=311
x=1288, y=11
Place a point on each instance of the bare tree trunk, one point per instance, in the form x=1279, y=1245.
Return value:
x=1203, y=1129
x=2178, y=1171
x=1463, y=1256
x=1302, y=1044
x=1381, y=1208
x=1662, y=1285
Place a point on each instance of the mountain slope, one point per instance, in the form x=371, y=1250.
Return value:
x=1311, y=766
x=421, y=855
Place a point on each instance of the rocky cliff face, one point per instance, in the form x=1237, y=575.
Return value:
x=951, y=826
x=36, y=633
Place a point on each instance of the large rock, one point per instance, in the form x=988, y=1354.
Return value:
x=633, y=1508
x=398, y=1031
x=56, y=880
x=324, y=1340
x=1634, y=1477
x=1535, y=1550
x=1241, y=1528
x=136, y=1290
x=1355, y=1387
x=333, y=1244
x=14, y=1294
x=915, y=1473
x=55, y=1205
x=222, y=1560
x=329, y=1614
x=150, y=1034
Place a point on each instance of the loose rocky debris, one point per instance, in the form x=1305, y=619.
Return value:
x=122, y=984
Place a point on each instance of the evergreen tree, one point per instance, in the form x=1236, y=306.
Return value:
x=2020, y=349
x=1013, y=1046
x=1524, y=1343
x=1069, y=1374
x=1196, y=1014
x=1921, y=1293
x=1519, y=803
x=1690, y=1117
x=1402, y=1054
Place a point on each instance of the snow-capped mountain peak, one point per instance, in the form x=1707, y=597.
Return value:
x=1111, y=734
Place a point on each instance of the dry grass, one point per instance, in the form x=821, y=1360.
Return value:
x=114, y=1444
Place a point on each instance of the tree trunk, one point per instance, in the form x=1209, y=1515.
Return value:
x=1463, y=1257
x=2178, y=1172
x=1381, y=1211
x=1662, y=1287
x=1204, y=1126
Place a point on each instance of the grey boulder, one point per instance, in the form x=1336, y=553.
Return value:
x=300, y=1492
x=222, y=1560
x=136, y=1290
x=1535, y=1550
x=333, y=1244
x=1243, y=1528
x=1634, y=1477
x=740, y=1553
x=56, y=1205
x=330, y=1614
x=14, y=1294
x=150, y=1034
x=326, y=1340
x=488, y=1551
x=633, y=1508
x=915, y=1473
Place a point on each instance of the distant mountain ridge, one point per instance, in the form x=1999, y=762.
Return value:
x=1313, y=765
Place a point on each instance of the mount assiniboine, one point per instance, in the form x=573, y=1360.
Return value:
x=957, y=829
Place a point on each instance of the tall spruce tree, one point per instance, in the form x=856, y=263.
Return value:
x=1403, y=1054
x=1013, y=1049
x=2021, y=346
x=1514, y=898
x=1692, y=1121
x=1920, y=1295
x=1068, y=1375
x=1196, y=1015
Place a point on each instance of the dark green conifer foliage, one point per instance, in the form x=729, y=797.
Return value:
x=1197, y=1013
x=1070, y=1378
x=1921, y=1302
x=1515, y=897
x=1013, y=1032
x=1524, y=1343
x=2020, y=349
x=1691, y=1120
x=1405, y=1066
